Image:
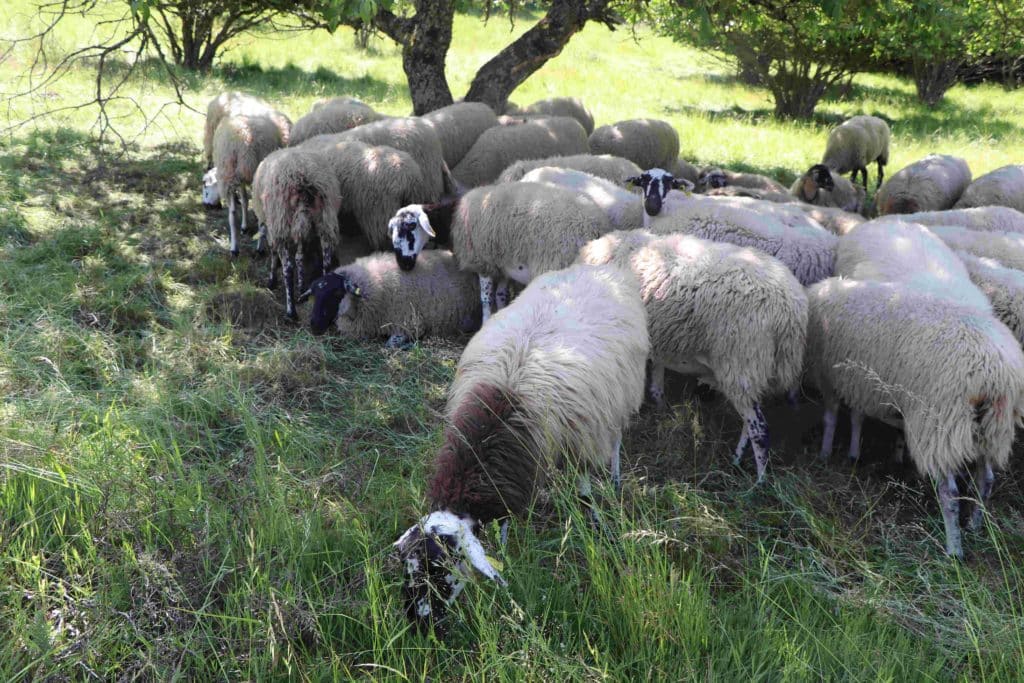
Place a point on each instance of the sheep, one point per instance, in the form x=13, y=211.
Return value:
x=234, y=103
x=240, y=143
x=807, y=249
x=558, y=106
x=715, y=177
x=549, y=381
x=684, y=169
x=953, y=373
x=510, y=231
x=498, y=148
x=1001, y=187
x=934, y=183
x=649, y=143
x=458, y=126
x=333, y=116
x=997, y=218
x=836, y=221
x=606, y=166
x=1005, y=247
x=621, y=207
x=297, y=196
x=751, y=193
x=372, y=297
x=1004, y=288
x=819, y=186
x=854, y=144
x=375, y=182
x=732, y=315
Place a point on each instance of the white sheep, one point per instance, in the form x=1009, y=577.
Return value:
x=459, y=126
x=372, y=297
x=854, y=144
x=1001, y=187
x=613, y=168
x=751, y=193
x=716, y=177
x=820, y=187
x=1005, y=247
x=684, y=169
x=556, y=106
x=1004, y=288
x=235, y=103
x=552, y=379
x=989, y=218
x=934, y=183
x=297, y=197
x=733, y=316
x=836, y=221
x=953, y=373
x=498, y=148
x=649, y=143
x=619, y=204
x=335, y=115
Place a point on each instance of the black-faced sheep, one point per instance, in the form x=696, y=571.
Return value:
x=820, y=187
x=854, y=144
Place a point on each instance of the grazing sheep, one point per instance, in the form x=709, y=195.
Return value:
x=606, y=166
x=649, y=143
x=953, y=373
x=619, y=204
x=549, y=381
x=512, y=230
x=989, y=218
x=458, y=126
x=854, y=144
x=240, y=143
x=934, y=183
x=1001, y=187
x=333, y=116
x=372, y=297
x=559, y=106
x=234, y=103
x=498, y=148
x=716, y=177
x=296, y=195
x=734, y=316
x=1004, y=288
x=820, y=187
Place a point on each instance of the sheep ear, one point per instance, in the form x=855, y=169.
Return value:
x=352, y=288
x=304, y=297
x=682, y=184
x=425, y=224
x=473, y=551
x=633, y=180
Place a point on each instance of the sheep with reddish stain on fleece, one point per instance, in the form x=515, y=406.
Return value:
x=934, y=183
x=551, y=380
x=821, y=187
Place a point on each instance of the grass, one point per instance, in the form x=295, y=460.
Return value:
x=191, y=489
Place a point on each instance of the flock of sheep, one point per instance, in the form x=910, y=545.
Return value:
x=629, y=260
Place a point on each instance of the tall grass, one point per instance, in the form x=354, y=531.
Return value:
x=193, y=489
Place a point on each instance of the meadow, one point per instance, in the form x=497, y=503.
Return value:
x=192, y=488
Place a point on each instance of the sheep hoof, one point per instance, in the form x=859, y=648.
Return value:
x=234, y=253
x=291, y=314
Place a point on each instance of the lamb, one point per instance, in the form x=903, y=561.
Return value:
x=1005, y=247
x=820, y=187
x=735, y=316
x=989, y=218
x=934, y=183
x=1001, y=187
x=854, y=144
x=512, y=230
x=550, y=381
x=498, y=148
x=240, y=143
x=372, y=297
x=333, y=116
x=808, y=250
x=715, y=177
x=557, y=106
x=621, y=207
x=606, y=166
x=953, y=373
x=458, y=126
x=296, y=195
x=1004, y=288
x=649, y=143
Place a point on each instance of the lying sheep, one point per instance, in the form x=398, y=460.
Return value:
x=820, y=187
x=934, y=183
x=836, y=221
x=649, y=143
x=297, y=197
x=751, y=193
x=1001, y=187
x=558, y=106
x=500, y=147
x=684, y=169
x=988, y=218
x=333, y=116
x=854, y=144
x=715, y=177
x=734, y=316
x=954, y=374
x=551, y=380
x=459, y=126
x=372, y=297
x=1004, y=288
x=240, y=143
x=605, y=166
x=621, y=207
x=1005, y=247
x=509, y=231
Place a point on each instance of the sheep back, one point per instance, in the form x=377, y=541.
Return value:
x=1004, y=288
x=934, y=183
x=836, y=221
x=1001, y=187
x=622, y=207
x=649, y=143
x=240, y=143
x=235, y=103
x=333, y=116
x=986, y=218
x=607, y=166
x=857, y=142
x=1005, y=247
x=559, y=106
x=458, y=126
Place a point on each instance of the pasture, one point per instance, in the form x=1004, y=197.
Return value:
x=192, y=488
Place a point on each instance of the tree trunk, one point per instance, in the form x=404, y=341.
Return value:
x=933, y=79
x=424, y=54
x=796, y=98
x=496, y=79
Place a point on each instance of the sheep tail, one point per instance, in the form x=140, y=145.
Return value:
x=995, y=417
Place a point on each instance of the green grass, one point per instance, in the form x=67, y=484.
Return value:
x=191, y=489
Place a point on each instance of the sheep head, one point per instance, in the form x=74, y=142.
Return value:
x=328, y=293
x=211, y=193
x=712, y=178
x=410, y=231
x=656, y=184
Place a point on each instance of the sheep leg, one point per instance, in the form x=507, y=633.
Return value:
x=617, y=464
x=328, y=256
x=261, y=243
x=501, y=295
x=881, y=174
x=586, y=496
x=856, y=421
x=275, y=262
x=829, y=435
x=984, y=479
x=243, y=200
x=503, y=535
x=288, y=267
x=741, y=447
x=656, y=384
x=486, y=294
x=233, y=223
x=949, y=502
x=757, y=431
